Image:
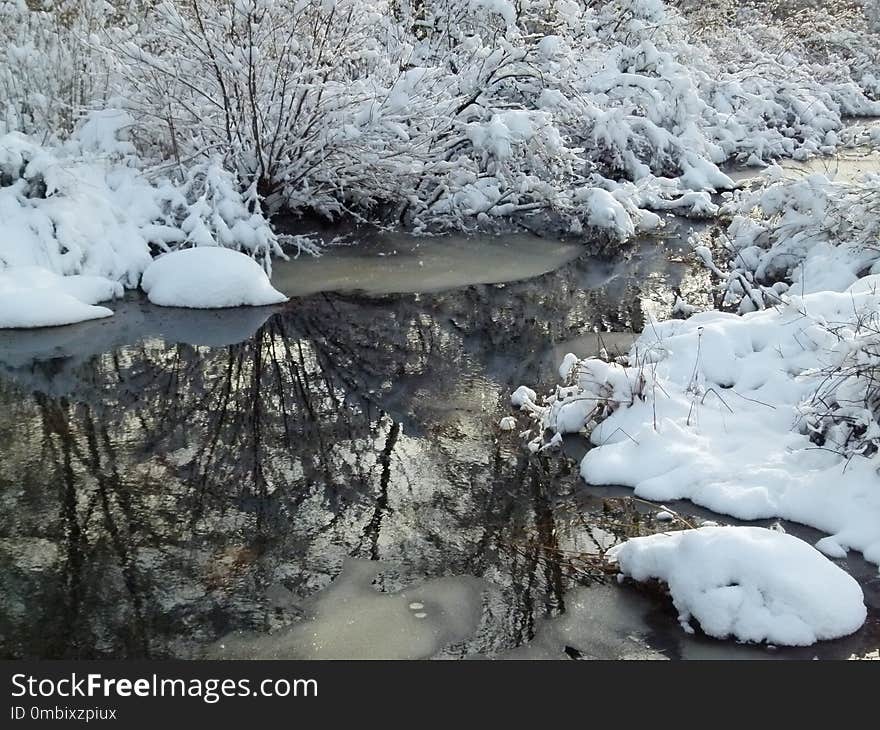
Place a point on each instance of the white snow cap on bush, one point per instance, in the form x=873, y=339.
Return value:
x=208, y=278
x=748, y=582
x=31, y=296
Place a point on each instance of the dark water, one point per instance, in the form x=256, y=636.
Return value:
x=168, y=477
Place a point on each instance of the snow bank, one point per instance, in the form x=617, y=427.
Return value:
x=750, y=583
x=208, y=278
x=44, y=308
x=762, y=415
x=34, y=297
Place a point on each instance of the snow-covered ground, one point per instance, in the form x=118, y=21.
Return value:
x=31, y=296
x=725, y=410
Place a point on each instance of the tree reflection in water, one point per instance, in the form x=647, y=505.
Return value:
x=158, y=495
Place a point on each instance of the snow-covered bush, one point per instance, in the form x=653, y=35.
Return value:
x=438, y=114
x=87, y=206
x=806, y=234
x=831, y=40
x=49, y=73
x=207, y=208
x=44, y=195
x=451, y=113
x=843, y=414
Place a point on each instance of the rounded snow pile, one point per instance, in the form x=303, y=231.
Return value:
x=208, y=277
x=31, y=296
x=748, y=582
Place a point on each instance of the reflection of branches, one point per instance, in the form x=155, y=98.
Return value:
x=193, y=478
x=110, y=485
x=82, y=536
x=55, y=423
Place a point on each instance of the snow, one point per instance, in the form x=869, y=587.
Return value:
x=604, y=211
x=830, y=547
x=522, y=395
x=85, y=207
x=208, y=278
x=566, y=366
x=809, y=234
x=748, y=583
x=31, y=297
x=727, y=411
x=30, y=308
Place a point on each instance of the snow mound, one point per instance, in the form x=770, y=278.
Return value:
x=748, y=582
x=208, y=278
x=31, y=296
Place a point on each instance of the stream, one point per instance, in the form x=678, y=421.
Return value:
x=327, y=478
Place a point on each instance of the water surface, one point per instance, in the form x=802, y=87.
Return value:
x=184, y=484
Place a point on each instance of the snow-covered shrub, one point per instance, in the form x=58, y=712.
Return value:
x=88, y=207
x=843, y=414
x=807, y=234
x=872, y=14
x=72, y=216
x=207, y=208
x=286, y=92
x=831, y=40
x=792, y=237
x=444, y=113
x=451, y=113
x=48, y=73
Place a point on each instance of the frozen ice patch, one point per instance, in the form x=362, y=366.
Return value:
x=350, y=619
x=600, y=622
